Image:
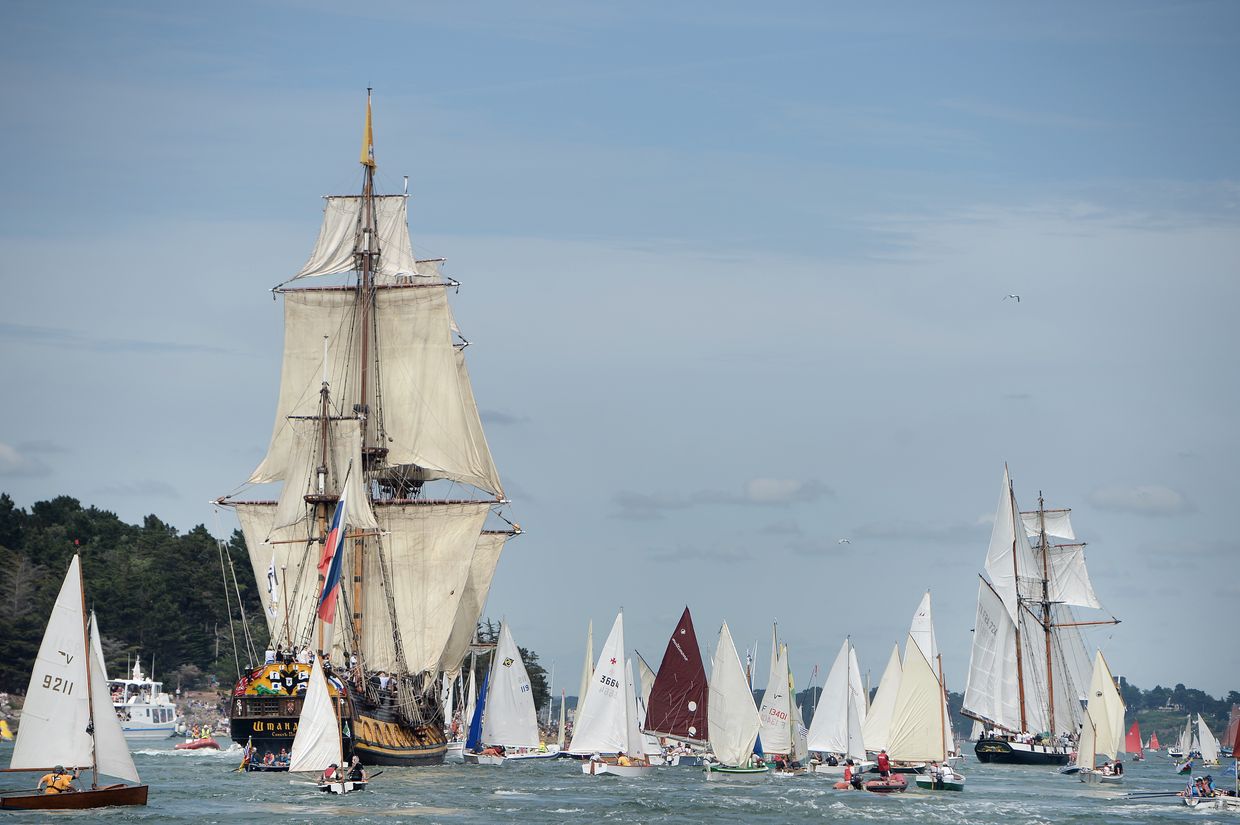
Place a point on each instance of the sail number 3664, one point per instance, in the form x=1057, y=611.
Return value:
x=58, y=684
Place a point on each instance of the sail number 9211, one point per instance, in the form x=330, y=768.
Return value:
x=58, y=684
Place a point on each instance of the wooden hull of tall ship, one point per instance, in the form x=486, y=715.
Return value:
x=78, y=800
x=266, y=704
x=381, y=737
x=1007, y=752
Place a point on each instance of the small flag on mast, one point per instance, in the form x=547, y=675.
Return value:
x=368, y=138
x=273, y=586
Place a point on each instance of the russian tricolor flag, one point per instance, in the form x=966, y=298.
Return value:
x=332, y=559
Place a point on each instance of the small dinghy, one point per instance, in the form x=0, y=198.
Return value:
x=341, y=787
x=198, y=744
x=896, y=783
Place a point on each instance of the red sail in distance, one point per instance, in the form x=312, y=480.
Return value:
x=1132, y=742
x=678, y=698
x=1154, y=745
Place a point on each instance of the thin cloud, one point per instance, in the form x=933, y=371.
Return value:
x=686, y=553
x=24, y=461
x=498, y=418
x=1146, y=500
x=758, y=492
x=61, y=338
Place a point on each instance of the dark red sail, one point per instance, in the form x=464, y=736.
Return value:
x=678, y=698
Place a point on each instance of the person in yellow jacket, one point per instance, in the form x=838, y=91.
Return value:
x=58, y=781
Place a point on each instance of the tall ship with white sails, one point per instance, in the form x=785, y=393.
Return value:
x=1029, y=668
x=378, y=550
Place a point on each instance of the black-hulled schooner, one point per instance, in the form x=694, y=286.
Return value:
x=375, y=409
x=1029, y=668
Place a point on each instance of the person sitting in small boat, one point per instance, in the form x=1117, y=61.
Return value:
x=332, y=773
x=1106, y=769
x=884, y=764
x=58, y=781
x=542, y=747
x=357, y=773
x=493, y=750
x=282, y=757
x=946, y=774
x=623, y=761
x=1118, y=768
x=269, y=758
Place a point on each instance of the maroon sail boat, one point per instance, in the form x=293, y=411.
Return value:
x=677, y=707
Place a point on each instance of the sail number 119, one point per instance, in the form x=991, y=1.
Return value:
x=58, y=684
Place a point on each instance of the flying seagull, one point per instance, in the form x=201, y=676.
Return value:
x=844, y=541
x=1017, y=297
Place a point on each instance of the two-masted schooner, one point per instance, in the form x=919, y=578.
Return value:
x=388, y=483
x=1029, y=668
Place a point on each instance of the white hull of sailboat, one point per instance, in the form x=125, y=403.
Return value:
x=715, y=772
x=838, y=770
x=1213, y=803
x=1093, y=777
x=929, y=783
x=596, y=768
x=552, y=752
x=483, y=759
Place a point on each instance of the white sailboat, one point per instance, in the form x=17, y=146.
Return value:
x=775, y=714
x=1028, y=663
x=509, y=720
x=606, y=728
x=1208, y=743
x=318, y=743
x=732, y=718
x=1102, y=735
x=839, y=717
x=877, y=727
x=68, y=719
x=919, y=729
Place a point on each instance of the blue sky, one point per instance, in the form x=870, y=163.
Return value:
x=734, y=276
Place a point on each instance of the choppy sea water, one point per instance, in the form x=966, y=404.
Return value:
x=201, y=787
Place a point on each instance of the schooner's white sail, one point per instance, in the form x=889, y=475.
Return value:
x=731, y=715
x=509, y=718
x=877, y=727
x=1028, y=664
x=316, y=746
x=602, y=725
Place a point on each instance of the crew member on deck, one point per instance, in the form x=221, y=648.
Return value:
x=58, y=781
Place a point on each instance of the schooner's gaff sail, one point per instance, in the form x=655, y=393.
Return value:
x=375, y=406
x=1028, y=665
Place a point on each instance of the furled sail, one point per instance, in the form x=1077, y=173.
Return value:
x=421, y=569
x=429, y=417
x=510, y=718
x=733, y=718
x=678, y=699
x=473, y=599
x=340, y=237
